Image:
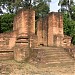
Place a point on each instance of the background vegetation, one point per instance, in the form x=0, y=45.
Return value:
x=42, y=8
x=68, y=11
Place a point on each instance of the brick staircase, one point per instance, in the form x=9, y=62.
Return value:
x=50, y=55
x=6, y=54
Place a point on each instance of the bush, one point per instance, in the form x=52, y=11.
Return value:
x=6, y=22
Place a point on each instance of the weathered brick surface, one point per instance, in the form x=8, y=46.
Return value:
x=32, y=22
x=21, y=52
x=40, y=31
x=50, y=30
x=31, y=28
x=57, y=39
x=66, y=41
x=17, y=21
x=25, y=34
x=45, y=31
x=7, y=40
x=33, y=41
x=6, y=55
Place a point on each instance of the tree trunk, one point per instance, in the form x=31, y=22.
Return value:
x=30, y=4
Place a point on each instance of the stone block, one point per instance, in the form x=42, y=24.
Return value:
x=21, y=53
x=6, y=55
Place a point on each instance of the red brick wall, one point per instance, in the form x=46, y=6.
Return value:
x=40, y=31
x=26, y=32
x=17, y=21
x=45, y=31
x=55, y=28
x=32, y=22
x=7, y=40
x=50, y=29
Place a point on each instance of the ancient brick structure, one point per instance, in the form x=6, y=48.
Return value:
x=16, y=44
x=50, y=30
x=26, y=31
x=66, y=41
x=40, y=32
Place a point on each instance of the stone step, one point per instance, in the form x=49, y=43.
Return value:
x=66, y=60
x=46, y=50
x=6, y=55
x=56, y=60
x=22, y=36
x=22, y=41
x=51, y=61
x=57, y=56
x=52, y=55
x=6, y=50
x=59, y=60
x=49, y=48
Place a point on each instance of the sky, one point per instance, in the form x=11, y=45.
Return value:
x=54, y=5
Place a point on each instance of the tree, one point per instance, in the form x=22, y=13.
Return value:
x=68, y=10
x=7, y=5
x=41, y=7
x=69, y=27
x=66, y=5
x=73, y=12
x=6, y=22
x=12, y=6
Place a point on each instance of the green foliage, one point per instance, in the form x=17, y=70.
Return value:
x=66, y=6
x=7, y=22
x=73, y=12
x=41, y=9
x=69, y=17
x=69, y=27
x=12, y=6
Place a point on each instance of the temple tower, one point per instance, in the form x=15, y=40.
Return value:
x=24, y=24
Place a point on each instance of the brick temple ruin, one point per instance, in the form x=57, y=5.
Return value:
x=18, y=43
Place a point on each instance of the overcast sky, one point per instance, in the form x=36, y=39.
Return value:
x=54, y=5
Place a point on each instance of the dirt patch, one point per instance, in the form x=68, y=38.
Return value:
x=11, y=67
